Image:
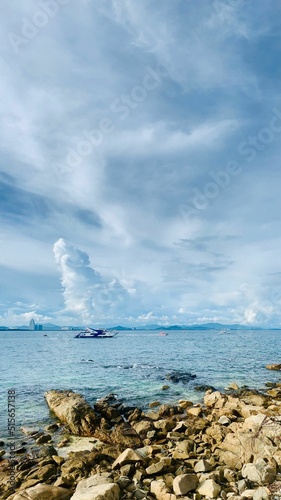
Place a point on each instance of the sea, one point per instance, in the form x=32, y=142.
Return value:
x=134, y=365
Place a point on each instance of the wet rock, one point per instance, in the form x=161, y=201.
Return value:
x=30, y=431
x=177, y=376
x=45, y=438
x=273, y=366
x=204, y=388
x=51, y=428
x=154, y=403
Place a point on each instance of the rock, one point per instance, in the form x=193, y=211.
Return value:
x=42, y=492
x=44, y=473
x=233, y=386
x=204, y=388
x=183, y=449
x=203, y=466
x=154, y=403
x=209, y=488
x=160, y=490
x=78, y=466
x=223, y=420
x=273, y=366
x=45, y=438
x=30, y=431
x=58, y=460
x=215, y=399
x=184, y=483
x=140, y=494
x=177, y=376
x=195, y=411
x=156, y=468
x=143, y=427
x=97, y=487
x=2, y=453
x=128, y=456
x=261, y=494
x=123, y=482
x=165, y=387
x=72, y=409
x=51, y=428
x=164, y=425
x=248, y=493
x=184, y=403
x=259, y=472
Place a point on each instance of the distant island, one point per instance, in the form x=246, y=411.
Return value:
x=206, y=326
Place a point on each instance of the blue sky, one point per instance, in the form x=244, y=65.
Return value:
x=140, y=162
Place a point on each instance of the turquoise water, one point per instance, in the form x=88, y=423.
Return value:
x=132, y=365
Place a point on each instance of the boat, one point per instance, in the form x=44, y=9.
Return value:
x=95, y=333
x=162, y=334
x=224, y=332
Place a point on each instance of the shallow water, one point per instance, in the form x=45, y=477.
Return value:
x=132, y=365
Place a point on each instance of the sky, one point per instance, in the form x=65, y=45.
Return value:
x=140, y=162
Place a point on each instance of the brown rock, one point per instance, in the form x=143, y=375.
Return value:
x=42, y=492
x=72, y=409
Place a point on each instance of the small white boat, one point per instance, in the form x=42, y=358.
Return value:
x=95, y=333
x=162, y=334
x=224, y=332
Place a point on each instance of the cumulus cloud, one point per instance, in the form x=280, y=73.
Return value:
x=87, y=294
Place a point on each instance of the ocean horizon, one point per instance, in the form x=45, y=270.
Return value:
x=133, y=365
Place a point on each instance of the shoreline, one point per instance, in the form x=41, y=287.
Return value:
x=157, y=451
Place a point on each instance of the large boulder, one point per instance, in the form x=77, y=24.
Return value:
x=42, y=492
x=72, y=409
x=97, y=487
x=258, y=437
x=260, y=472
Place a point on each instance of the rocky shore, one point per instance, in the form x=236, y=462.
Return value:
x=229, y=446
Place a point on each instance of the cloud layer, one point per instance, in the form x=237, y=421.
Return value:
x=142, y=142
